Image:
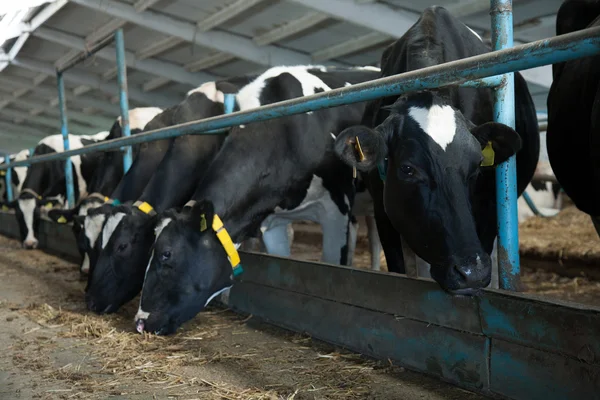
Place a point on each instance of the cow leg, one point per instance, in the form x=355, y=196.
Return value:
x=423, y=267
x=391, y=240
x=352, y=237
x=374, y=243
x=336, y=227
x=275, y=235
x=495, y=282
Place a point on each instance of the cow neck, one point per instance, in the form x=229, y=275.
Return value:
x=178, y=174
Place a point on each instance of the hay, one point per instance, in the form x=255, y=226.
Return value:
x=127, y=358
x=568, y=236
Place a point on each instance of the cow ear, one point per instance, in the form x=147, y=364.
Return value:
x=201, y=214
x=498, y=142
x=61, y=216
x=361, y=147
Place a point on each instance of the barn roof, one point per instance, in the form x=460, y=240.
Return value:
x=175, y=45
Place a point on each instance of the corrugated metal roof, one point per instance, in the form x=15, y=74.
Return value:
x=32, y=81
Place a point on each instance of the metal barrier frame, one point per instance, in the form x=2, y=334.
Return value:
x=494, y=69
x=123, y=102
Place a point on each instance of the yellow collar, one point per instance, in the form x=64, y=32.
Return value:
x=226, y=242
x=145, y=207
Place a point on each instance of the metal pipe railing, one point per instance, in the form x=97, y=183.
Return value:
x=561, y=48
x=64, y=129
x=509, y=268
x=123, y=101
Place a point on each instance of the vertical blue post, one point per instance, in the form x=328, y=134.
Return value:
x=64, y=128
x=506, y=173
x=9, y=191
x=123, y=102
x=229, y=103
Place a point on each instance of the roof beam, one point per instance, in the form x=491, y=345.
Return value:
x=159, y=47
x=351, y=46
x=26, y=86
x=93, y=120
x=151, y=66
x=142, y=5
x=226, y=13
x=154, y=84
x=465, y=8
x=50, y=122
x=107, y=29
x=290, y=28
x=219, y=40
x=389, y=21
x=209, y=61
x=19, y=129
x=96, y=82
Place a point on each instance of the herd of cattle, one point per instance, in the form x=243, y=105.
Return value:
x=170, y=227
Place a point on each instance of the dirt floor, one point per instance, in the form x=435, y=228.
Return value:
x=52, y=348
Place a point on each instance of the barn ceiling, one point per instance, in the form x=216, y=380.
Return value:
x=175, y=45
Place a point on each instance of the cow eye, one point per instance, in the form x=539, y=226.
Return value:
x=407, y=169
x=165, y=255
x=122, y=247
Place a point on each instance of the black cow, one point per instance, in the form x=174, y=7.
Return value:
x=573, y=135
x=262, y=168
x=437, y=196
x=45, y=182
x=106, y=176
x=114, y=274
x=17, y=175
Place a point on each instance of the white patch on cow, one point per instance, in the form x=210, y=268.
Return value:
x=140, y=116
x=242, y=126
x=85, y=265
x=370, y=68
x=110, y=226
x=438, y=122
x=84, y=208
x=347, y=84
x=92, y=226
x=21, y=171
x=332, y=135
x=248, y=96
x=141, y=314
x=27, y=207
x=209, y=89
x=97, y=137
x=475, y=33
x=309, y=113
x=216, y=294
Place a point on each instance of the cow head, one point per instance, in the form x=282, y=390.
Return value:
x=86, y=230
x=188, y=267
x=434, y=157
x=117, y=274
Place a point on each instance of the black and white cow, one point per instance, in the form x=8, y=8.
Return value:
x=105, y=178
x=114, y=276
x=281, y=166
x=45, y=182
x=573, y=135
x=18, y=175
x=437, y=196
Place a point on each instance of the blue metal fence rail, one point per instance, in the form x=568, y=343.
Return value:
x=123, y=101
x=494, y=69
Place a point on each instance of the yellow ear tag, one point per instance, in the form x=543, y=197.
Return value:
x=48, y=205
x=145, y=208
x=3, y=173
x=62, y=220
x=358, y=147
x=203, y=226
x=5, y=208
x=106, y=199
x=488, y=155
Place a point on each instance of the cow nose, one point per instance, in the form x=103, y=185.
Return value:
x=30, y=244
x=139, y=325
x=465, y=271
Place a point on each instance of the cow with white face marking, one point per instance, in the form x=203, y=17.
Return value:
x=284, y=166
x=573, y=135
x=45, y=182
x=122, y=243
x=440, y=147
x=106, y=176
x=18, y=175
